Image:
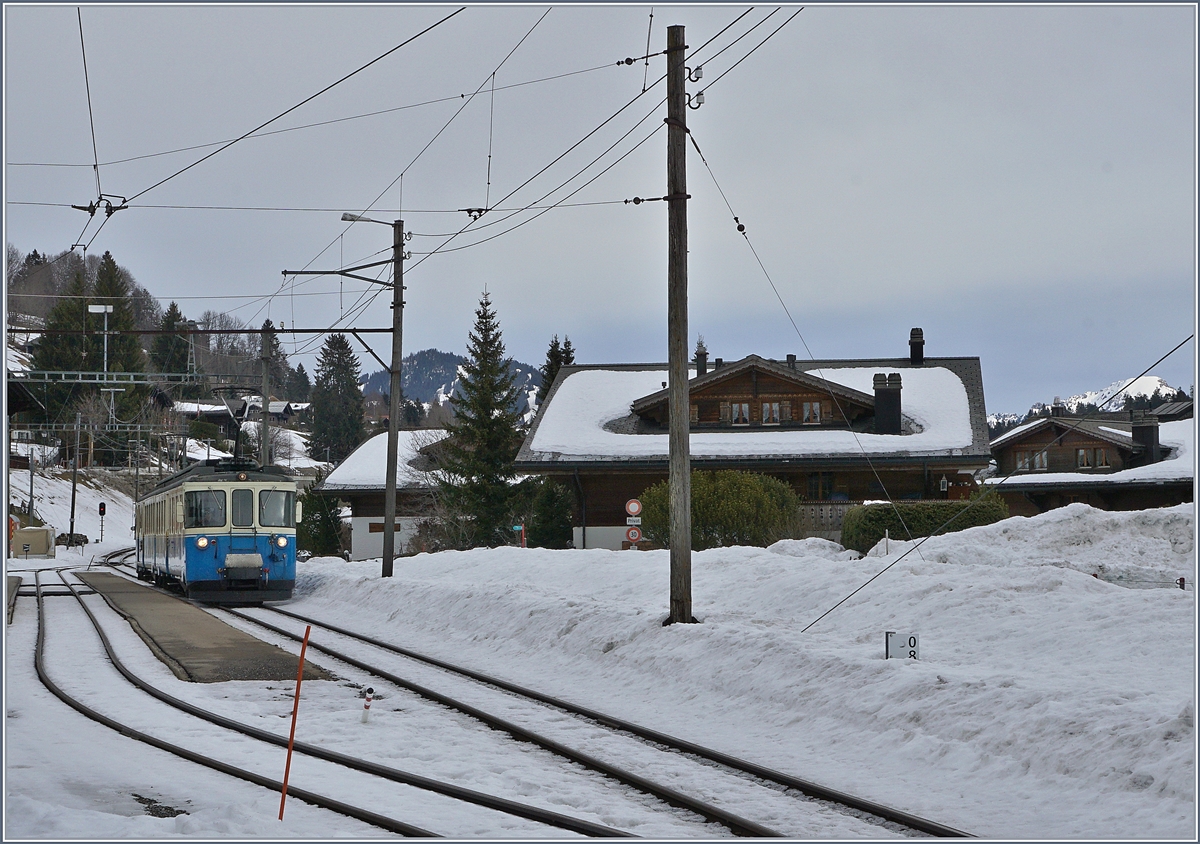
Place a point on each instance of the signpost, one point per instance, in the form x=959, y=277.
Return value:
x=521, y=528
x=634, y=535
x=901, y=645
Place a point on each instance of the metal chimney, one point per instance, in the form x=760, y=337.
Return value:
x=1145, y=434
x=887, y=403
x=916, y=347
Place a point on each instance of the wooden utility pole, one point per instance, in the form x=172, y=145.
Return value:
x=393, y=443
x=264, y=444
x=679, y=476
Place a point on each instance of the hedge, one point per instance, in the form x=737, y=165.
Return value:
x=728, y=508
x=863, y=526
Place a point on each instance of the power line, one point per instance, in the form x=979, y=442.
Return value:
x=1000, y=483
x=299, y=104
x=88, y=86
x=317, y=124
x=307, y=209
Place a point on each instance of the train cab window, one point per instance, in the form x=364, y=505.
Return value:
x=276, y=508
x=204, y=508
x=243, y=508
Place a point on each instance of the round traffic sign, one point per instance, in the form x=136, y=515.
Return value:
x=633, y=534
x=633, y=507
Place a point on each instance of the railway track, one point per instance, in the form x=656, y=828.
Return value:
x=341, y=807
x=745, y=775
x=888, y=816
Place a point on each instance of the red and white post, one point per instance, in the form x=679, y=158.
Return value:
x=367, y=704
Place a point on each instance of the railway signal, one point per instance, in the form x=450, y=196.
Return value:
x=101, y=521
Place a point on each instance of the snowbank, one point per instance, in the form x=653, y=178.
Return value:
x=1047, y=703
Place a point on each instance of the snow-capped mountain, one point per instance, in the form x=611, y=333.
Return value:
x=1111, y=398
x=1108, y=398
x=432, y=377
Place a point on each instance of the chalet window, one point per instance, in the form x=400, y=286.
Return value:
x=820, y=486
x=770, y=413
x=812, y=413
x=1083, y=458
x=1023, y=461
x=726, y=412
x=1102, y=458
x=741, y=413
x=785, y=411
x=695, y=414
x=1041, y=461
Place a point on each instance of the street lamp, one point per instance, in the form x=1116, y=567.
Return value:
x=106, y=310
x=393, y=443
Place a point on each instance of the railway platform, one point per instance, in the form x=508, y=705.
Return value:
x=196, y=646
x=13, y=584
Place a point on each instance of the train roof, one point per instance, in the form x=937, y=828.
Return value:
x=221, y=469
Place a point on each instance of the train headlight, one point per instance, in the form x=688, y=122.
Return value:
x=202, y=542
x=281, y=541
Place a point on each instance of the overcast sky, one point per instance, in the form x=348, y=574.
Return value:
x=1018, y=181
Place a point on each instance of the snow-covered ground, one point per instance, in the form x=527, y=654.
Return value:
x=1047, y=703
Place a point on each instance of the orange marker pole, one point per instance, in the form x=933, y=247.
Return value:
x=295, y=711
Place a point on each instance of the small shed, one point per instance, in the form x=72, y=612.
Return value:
x=33, y=543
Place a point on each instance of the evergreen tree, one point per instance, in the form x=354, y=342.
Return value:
x=298, y=385
x=557, y=356
x=125, y=352
x=64, y=352
x=337, y=402
x=320, y=525
x=483, y=442
x=170, y=351
x=280, y=370
x=550, y=368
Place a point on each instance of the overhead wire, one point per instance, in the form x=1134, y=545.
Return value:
x=299, y=104
x=471, y=224
x=999, y=483
x=316, y=124
x=91, y=119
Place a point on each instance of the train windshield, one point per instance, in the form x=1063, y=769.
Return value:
x=243, y=508
x=204, y=508
x=277, y=508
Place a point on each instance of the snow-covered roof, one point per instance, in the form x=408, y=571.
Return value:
x=198, y=408
x=1178, y=465
x=364, y=468
x=576, y=423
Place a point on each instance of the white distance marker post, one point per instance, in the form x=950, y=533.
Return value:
x=901, y=645
x=367, y=704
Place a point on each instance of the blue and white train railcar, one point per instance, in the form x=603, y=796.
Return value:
x=224, y=531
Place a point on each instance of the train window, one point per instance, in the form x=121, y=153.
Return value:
x=277, y=508
x=204, y=508
x=243, y=507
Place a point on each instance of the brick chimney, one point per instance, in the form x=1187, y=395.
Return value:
x=916, y=347
x=1145, y=434
x=887, y=403
x=701, y=362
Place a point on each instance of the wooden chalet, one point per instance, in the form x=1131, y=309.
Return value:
x=837, y=431
x=1111, y=461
